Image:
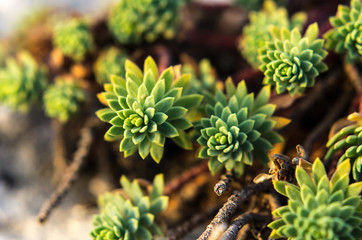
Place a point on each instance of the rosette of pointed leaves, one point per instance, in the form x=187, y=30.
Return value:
x=237, y=126
x=22, y=82
x=110, y=62
x=349, y=138
x=73, y=39
x=146, y=108
x=62, y=99
x=346, y=34
x=256, y=33
x=292, y=62
x=132, y=22
x=131, y=218
x=319, y=208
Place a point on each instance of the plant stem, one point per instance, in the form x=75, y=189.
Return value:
x=71, y=173
x=229, y=208
x=223, y=184
x=232, y=231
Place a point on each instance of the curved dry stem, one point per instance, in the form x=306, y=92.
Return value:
x=71, y=173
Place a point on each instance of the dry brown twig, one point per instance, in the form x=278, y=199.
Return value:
x=246, y=218
x=185, y=177
x=71, y=173
x=353, y=75
x=224, y=183
x=328, y=120
x=59, y=161
x=225, y=213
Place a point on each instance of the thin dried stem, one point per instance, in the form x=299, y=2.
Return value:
x=71, y=173
x=328, y=120
x=185, y=177
x=246, y=218
x=188, y=226
x=224, y=183
x=353, y=75
x=228, y=209
x=59, y=160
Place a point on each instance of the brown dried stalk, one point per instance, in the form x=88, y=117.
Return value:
x=224, y=183
x=59, y=161
x=228, y=209
x=353, y=75
x=328, y=120
x=232, y=231
x=188, y=226
x=71, y=173
x=185, y=177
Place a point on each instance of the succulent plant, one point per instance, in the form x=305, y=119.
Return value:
x=256, y=33
x=133, y=217
x=110, y=62
x=346, y=34
x=319, y=208
x=349, y=138
x=255, y=4
x=73, y=39
x=22, y=82
x=62, y=99
x=292, y=62
x=236, y=126
x=132, y=22
x=146, y=108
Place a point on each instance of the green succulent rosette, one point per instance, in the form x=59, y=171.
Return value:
x=319, y=208
x=292, y=62
x=132, y=22
x=73, y=38
x=111, y=61
x=145, y=109
x=237, y=127
x=62, y=99
x=22, y=82
x=346, y=34
x=256, y=33
x=350, y=139
x=131, y=217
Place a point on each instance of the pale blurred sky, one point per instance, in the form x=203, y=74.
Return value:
x=11, y=11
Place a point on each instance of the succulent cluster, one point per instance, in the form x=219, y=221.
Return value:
x=133, y=217
x=255, y=4
x=236, y=126
x=73, y=39
x=256, y=33
x=132, y=22
x=146, y=108
x=292, y=62
x=111, y=61
x=62, y=99
x=319, y=208
x=349, y=138
x=346, y=34
x=22, y=82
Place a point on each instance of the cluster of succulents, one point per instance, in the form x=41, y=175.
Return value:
x=73, y=38
x=111, y=61
x=256, y=33
x=292, y=62
x=133, y=217
x=319, y=208
x=255, y=4
x=346, y=34
x=22, y=82
x=147, y=108
x=62, y=99
x=349, y=138
x=132, y=22
x=236, y=126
